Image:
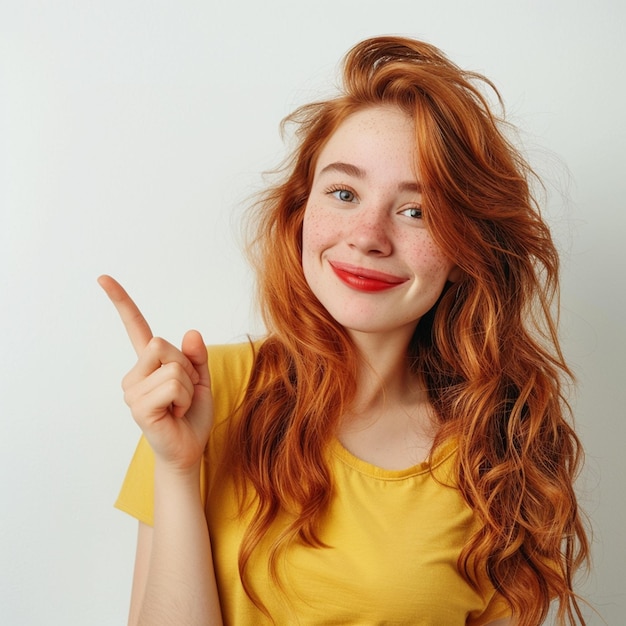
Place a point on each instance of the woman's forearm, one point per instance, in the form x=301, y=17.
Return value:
x=180, y=584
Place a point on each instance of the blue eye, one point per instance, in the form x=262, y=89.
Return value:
x=345, y=195
x=414, y=212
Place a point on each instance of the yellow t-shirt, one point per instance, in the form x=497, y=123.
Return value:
x=393, y=537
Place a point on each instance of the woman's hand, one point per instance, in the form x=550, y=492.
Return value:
x=168, y=390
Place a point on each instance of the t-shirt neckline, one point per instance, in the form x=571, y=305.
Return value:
x=437, y=457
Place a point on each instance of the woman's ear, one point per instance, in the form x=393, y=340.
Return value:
x=455, y=274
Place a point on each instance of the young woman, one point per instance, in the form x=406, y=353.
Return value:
x=396, y=449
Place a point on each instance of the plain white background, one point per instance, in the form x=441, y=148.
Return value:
x=131, y=135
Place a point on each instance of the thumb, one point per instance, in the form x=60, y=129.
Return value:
x=194, y=348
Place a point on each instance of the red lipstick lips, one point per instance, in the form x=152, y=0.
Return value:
x=363, y=279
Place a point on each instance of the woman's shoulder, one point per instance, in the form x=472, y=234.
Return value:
x=232, y=357
x=230, y=366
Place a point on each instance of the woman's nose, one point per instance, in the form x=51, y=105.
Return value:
x=370, y=232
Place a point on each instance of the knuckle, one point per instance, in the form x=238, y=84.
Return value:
x=175, y=387
x=157, y=344
x=176, y=369
x=141, y=411
x=129, y=398
x=126, y=382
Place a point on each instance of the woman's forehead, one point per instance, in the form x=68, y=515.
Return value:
x=370, y=140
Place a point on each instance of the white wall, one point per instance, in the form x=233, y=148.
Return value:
x=131, y=133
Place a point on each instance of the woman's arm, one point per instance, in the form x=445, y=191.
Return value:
x=174, y=580
x=169, y=394
x=140, y=575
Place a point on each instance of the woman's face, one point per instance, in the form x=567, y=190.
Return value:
x=366, y=252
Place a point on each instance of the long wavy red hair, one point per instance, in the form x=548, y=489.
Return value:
x=488, y=352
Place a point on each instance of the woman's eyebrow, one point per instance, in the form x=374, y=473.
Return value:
x=357, y=172
x=345, y=168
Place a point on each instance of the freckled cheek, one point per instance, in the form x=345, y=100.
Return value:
x=428, y=259
x=318, y=230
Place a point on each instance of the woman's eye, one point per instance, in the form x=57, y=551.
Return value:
x=414, y=212
x=345, y=195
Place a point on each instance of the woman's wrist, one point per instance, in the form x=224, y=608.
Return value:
x=174, y=484
x=171, y=471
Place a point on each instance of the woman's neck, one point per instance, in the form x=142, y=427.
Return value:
x=390, y=421
x=384, y=369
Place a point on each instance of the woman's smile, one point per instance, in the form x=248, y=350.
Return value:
x=363, y=279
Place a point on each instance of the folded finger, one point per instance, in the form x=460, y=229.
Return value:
x=169, y=372
x=157, y=354
x=165, y=398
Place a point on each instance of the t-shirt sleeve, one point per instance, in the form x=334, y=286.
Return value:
x=137, y=493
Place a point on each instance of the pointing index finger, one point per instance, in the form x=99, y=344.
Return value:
x=135, y=323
